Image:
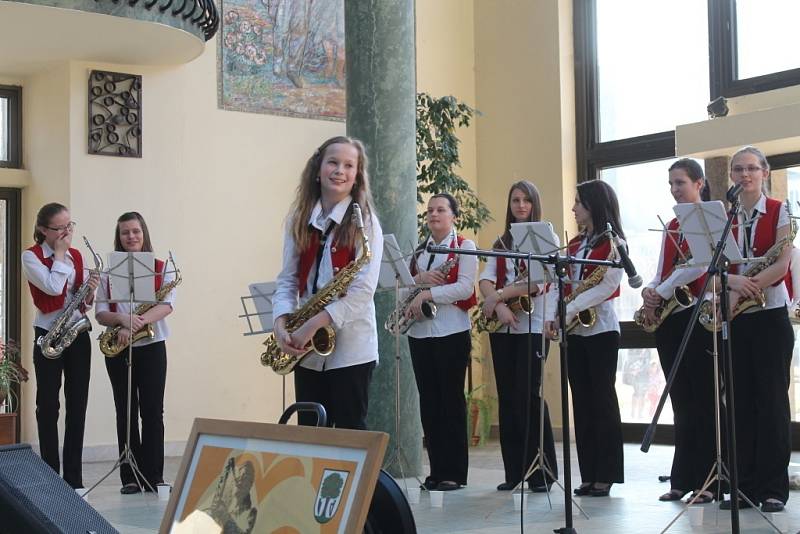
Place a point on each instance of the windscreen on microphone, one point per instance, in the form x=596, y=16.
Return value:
x=733, y=192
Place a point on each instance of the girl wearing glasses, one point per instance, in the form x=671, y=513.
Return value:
x=762, y=340
x=692, y=392
x=320, y=239
x=518, y=379
x=593, y=349
x=55, y=271
x=440, y=347
x=149, y=363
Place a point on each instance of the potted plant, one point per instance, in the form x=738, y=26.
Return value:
x=12, y=374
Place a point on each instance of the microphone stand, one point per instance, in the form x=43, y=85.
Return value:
x=561, y=264
x=719, y=265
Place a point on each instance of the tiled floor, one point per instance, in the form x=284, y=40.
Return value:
x=632, y=507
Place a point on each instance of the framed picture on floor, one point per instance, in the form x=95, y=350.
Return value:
x=259, y=477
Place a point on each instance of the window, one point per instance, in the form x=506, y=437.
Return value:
x=650, y=74
x=10, y=126
x=641, y=68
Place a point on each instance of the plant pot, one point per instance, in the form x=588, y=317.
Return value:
x=8, y=428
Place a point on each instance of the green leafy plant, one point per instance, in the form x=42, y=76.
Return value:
x=437, y=159
x=11, y=374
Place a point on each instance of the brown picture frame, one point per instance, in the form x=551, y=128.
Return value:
x=303, y=445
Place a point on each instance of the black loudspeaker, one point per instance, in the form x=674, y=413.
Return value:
x=389, y=512
x=34, y=499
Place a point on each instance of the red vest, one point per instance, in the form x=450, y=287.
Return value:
x=452, y=276
x=50, y=303
x=599, y=252
x=157, y=279
x=671, y=257
x=766, y=232
x=340, y=257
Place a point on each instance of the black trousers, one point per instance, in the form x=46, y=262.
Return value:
x=440, y=367
x=518, y=380
x=75, y=365
x=762, y=354
x=148, y=381
x=692, y=397
x=344, y=392
x=598, y=426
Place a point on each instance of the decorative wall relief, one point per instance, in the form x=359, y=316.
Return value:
x=115, y=114
x=282, y=57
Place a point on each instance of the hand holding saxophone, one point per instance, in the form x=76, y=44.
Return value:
x=415, y=308
x=431, y=278
x=745, y=286
x=285, y=339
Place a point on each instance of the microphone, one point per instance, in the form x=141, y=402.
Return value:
x=634, y=280
x=733, y=192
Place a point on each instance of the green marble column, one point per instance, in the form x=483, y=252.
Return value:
x=381, y=111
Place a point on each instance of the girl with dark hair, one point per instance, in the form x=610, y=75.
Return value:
x=762, y=340
x=440, y=347
x=320, y=239
x=148, y=364
x=518, y=380
x=55, y=271
x=692, y=392
x=593, y=349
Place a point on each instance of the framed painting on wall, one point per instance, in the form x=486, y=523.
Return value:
x=282, y=57
x=259, y=477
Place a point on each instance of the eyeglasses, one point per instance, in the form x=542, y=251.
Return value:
x=750, y=170
x=67, y=227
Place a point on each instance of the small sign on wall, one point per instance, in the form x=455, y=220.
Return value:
x=115, y=114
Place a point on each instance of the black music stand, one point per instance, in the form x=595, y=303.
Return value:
x=561, y=264
x=137, y=269
x=394, y=275
x=260, y=297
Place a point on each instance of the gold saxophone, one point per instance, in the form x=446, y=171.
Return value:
x=324, y=340
x=682, y=298
x=108, y=339
x=706, y=316
x=397, y=322
x=586, y=318
x=522, y=303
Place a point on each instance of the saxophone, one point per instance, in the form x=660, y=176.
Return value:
x=64, y=331
x=108, y=339
x=682, y=298
x=397, y=322
x=586, y=318
x=522, y=303
x=324, y=340
x=706, y=316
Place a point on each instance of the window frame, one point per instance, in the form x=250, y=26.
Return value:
x=13, y=94
x=723, y=51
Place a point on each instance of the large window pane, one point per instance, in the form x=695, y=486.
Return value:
x=640, y=382
x=3, y=129
x=643, y=193
x=652, y=60
x=766, y=35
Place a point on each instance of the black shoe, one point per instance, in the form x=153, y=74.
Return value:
x=770, y=506
x=507, y=486
x=600, y=492
x=448, y=485
x=583, y=489
x=673, y=495
x=130, y=489
x=539, y=488
x=726, y=505
x=429, y=484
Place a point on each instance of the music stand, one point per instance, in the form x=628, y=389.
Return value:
x=539, y=239
x=137, y=269
x=260, y=298
x=394, y=274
